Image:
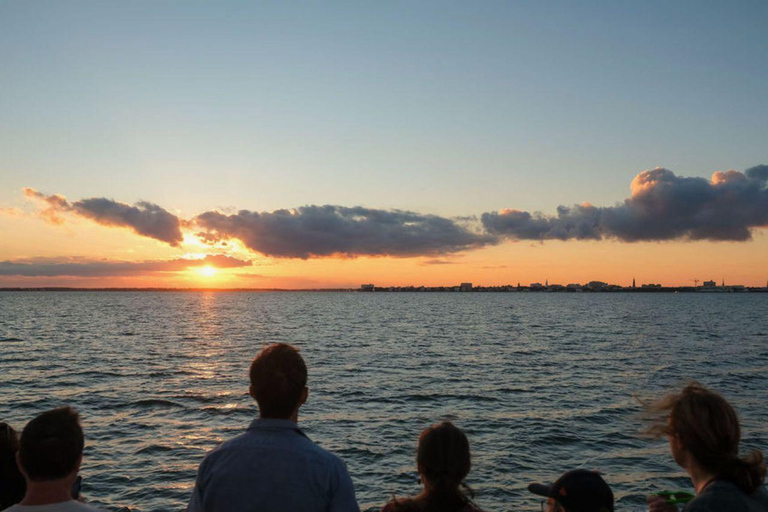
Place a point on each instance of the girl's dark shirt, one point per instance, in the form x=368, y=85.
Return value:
x=724, y=496
x=389, y=507
x=12, y=489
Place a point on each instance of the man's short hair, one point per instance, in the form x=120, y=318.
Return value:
x=51, y=445
x=278, y=378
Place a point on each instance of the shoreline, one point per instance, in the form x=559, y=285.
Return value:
x=404, y=289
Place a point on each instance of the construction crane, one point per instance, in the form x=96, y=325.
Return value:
x=695, y=282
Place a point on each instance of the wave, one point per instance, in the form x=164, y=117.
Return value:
x=154, y=448
x=157, y=403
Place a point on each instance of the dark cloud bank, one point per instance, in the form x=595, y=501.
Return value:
x=312, y=231
x=146, y=219
x=45, y=267
x=662, y=207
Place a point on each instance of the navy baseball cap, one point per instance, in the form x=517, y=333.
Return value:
x=579, y=490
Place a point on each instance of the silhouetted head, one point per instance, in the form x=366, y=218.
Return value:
x=443, y=458
x=278, y=381
x=12, y=484
x=443, y=461
x=579, y=490
x=9, y=445
x=703, y=429
x=51, y=445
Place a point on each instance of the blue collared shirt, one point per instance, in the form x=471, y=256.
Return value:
x=272, y=467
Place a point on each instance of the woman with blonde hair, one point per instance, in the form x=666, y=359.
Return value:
x=443, y=462
x=704, y=434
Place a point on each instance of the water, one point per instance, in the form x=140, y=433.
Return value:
x=541, y=383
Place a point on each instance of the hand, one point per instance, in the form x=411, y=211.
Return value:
x=657, y=503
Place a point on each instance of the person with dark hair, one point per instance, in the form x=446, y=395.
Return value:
x=12, y=485
x=49, y=457
x=273, y=466
x=579, y=490
x=704, y=433
x=443, y=462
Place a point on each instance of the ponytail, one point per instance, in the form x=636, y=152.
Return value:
x=748, y=472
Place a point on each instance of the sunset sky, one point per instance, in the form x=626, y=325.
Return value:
x=307, y=145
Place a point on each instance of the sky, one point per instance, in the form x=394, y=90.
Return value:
x=309, y=144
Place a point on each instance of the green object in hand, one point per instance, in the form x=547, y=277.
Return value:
x=676, y=497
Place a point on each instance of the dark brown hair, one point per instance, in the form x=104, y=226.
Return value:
x=12, y=484
x=708, y=428
x=278, y=376
x=51, y=445
x=443, y=461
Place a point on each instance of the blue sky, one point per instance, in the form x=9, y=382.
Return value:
x=453, y=108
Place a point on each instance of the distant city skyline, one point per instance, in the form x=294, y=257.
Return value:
x=184, y=144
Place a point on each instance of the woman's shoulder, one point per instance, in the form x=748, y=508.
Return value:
x=724, y=495
x=401, y=505
x=413, y=505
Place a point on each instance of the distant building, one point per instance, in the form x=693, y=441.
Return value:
x=597, y=285
x=366, y=287
x=633, y=283
x=650, y=286
x=465, y=287
x=709, y=284
x=536, y=286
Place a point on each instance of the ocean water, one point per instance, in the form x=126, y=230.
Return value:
x=541, y=383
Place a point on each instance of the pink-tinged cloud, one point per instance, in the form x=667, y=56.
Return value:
x=80, y=267
x=143, y=218
x=662, y=206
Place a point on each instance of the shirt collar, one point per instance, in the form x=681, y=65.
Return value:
x=274, y=424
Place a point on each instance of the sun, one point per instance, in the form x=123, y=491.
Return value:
x=208, y=271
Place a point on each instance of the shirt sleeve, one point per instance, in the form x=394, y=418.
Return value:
x=196, y=501
x=343, y=500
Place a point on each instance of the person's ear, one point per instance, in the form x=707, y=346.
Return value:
x=304, y=395
x=252, y=392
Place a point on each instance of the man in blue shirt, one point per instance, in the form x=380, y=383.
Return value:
x=273, y=466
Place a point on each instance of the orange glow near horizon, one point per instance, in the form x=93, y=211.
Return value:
x=668, y=263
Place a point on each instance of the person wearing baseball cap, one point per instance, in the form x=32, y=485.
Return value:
x=579, y=490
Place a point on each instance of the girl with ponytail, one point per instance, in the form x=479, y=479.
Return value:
x=704, y=434
x=443, y=462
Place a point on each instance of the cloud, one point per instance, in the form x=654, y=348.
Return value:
x=318, y=231
x=437, y=262
x=55, y=204
x=11, y=212
x=662, y=206
x=80, y=267
x=144, y=218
